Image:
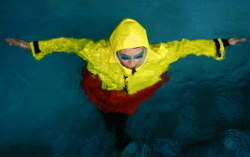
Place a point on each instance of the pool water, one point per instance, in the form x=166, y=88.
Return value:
x=203, y=111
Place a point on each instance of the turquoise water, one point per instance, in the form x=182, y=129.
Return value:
x=202, y=111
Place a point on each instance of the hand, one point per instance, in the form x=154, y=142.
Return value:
x=234, y=41
x=17, y=42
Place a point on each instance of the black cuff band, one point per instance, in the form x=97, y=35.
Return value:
x=225, y=42
x=36, y=46
x=217, y=44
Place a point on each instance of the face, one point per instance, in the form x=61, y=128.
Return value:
x=131, y=63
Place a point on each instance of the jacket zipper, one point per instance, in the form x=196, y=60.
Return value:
x=125, y=80
x=126, y=83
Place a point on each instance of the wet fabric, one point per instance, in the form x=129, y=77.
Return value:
x=102, y=61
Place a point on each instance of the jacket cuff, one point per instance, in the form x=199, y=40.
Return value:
x=220, y=48
x=225, y=42
x=220, y=44
x=217, y=44
x=36, y=52
x=36, y=47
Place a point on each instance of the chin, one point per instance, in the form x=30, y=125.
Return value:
x=131, y=67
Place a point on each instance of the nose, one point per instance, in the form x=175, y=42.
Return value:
x=132, y=63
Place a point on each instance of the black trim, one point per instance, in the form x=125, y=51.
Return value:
x=225, y=42
x=36, y=47
x=217, y=44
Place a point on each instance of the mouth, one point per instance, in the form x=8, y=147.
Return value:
x=130, y=67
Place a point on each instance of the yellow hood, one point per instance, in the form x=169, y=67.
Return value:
x=128, y=34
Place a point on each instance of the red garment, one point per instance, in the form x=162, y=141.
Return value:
x=115, y=101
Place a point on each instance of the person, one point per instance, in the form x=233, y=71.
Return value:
x=125, y=70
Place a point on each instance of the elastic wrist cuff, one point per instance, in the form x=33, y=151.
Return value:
x=217, y=44
x=36, y=47
x=225, y=42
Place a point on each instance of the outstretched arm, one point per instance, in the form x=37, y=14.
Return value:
x=40, y=49
x=211, y=48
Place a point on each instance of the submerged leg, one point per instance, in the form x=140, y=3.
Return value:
x=116, y=122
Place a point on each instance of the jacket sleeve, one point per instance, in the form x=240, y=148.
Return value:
x=211, y=48
x=41, y=48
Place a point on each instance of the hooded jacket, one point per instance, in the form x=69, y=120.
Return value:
x=102, y=60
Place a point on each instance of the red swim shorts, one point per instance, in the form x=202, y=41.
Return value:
x=115, y=101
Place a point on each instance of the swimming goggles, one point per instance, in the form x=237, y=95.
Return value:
x=125, y=57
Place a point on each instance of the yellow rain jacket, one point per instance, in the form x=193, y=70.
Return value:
x=102, y=60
